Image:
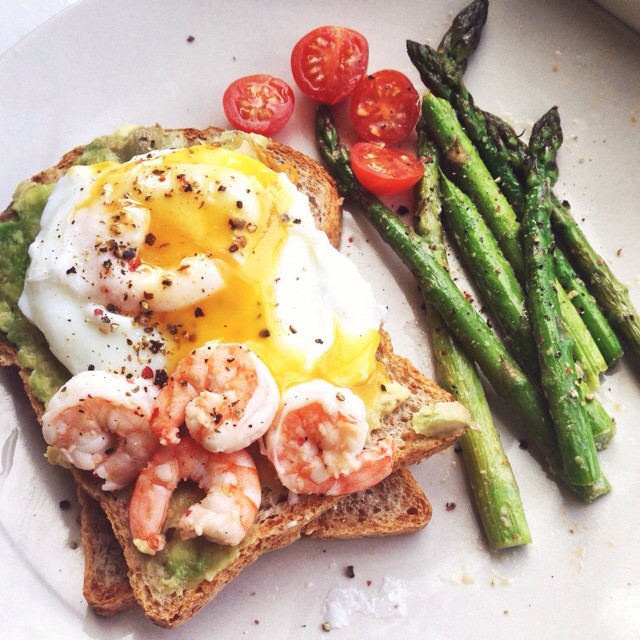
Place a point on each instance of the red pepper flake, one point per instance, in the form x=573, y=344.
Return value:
x=198, y=312
x=368, y=583
x=190, y=39
x=97, y=312
x=147, y=295
x=187, y=512
x=264, y=333
x=149, y=239
x=450, y=506
x=147, y=373
x=599, y=262
x=239, y=204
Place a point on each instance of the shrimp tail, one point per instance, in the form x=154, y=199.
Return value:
x=149, y=504
x=375, y=465
x=169, y=411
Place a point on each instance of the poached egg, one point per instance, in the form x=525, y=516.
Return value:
x=138, y=263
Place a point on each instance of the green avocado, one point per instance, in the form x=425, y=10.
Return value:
x=16, y=234
x=186, y=562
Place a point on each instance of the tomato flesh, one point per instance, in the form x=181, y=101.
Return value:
x=383, y=170
x=328, y=62
x=384, y=107
x=259, y=103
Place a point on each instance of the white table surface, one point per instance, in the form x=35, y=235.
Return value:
x=17, y=19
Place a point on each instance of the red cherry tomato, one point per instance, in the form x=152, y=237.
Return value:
x=383, y=170
x=328, y=62
x=259, y=103
x=384, y=107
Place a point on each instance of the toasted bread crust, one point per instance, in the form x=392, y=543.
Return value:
x=106, y=583
x=279, y=521
x=396, y=505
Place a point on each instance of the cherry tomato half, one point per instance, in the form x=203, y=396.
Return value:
x=259, y=103
x=384, y=107
x=384, y=170
x=328, y=62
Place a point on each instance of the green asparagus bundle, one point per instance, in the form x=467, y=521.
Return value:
x=494, y=486
x=560, y=381
x=475, y=179
x=505, y=298
x=462, y=319
x=506, y=157
x=480, y=252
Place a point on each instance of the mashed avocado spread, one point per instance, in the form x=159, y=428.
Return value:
x=185, y=562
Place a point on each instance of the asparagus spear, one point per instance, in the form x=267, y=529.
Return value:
x=555, y=347
x=463, y=37
x=584, y=302
x=510, y=144
x=437, y=77
x=492, y=481
x=474, y=177
x=610, y=293
x=462, y=319
x=492, y=274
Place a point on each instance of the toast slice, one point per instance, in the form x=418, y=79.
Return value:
x=280, y=520
x=395, y=506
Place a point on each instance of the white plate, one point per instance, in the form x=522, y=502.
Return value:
x=99, y=65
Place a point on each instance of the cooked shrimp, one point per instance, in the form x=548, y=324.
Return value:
x=224, y=393
x=224, y=515
x=106, y=241
x=99, y=421
x=318, y=444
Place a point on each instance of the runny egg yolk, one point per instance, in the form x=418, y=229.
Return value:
x=232, y=209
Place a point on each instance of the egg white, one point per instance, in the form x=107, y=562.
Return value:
x=314, y=291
